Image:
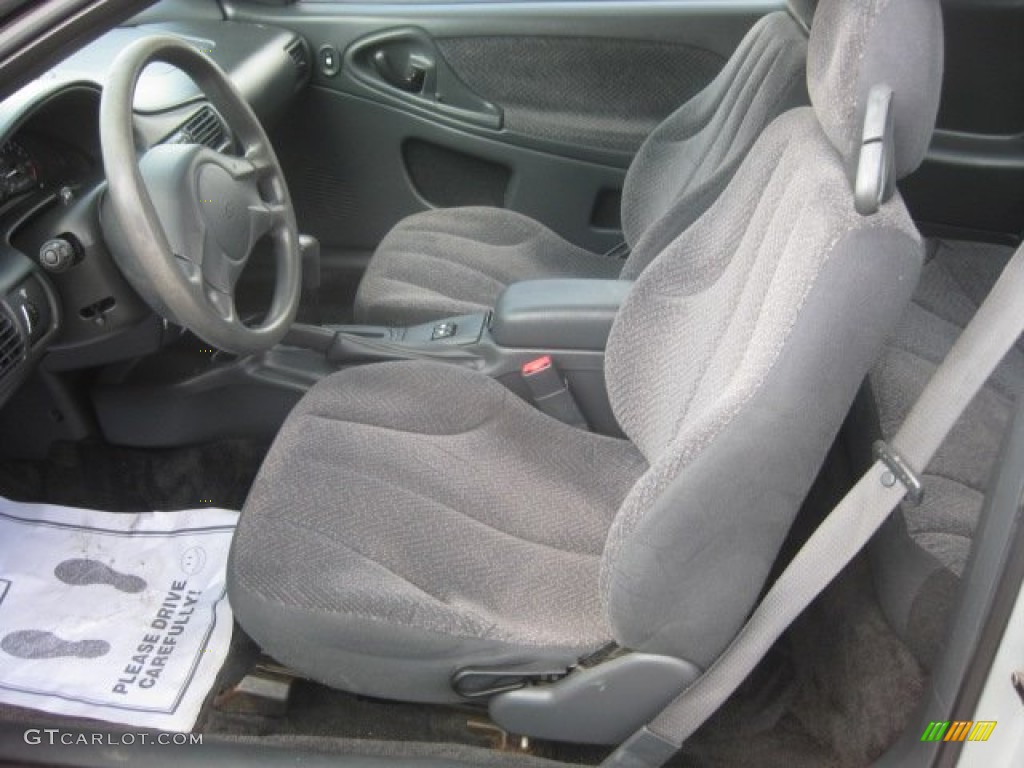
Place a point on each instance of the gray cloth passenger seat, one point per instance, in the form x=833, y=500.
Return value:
x=920, y=555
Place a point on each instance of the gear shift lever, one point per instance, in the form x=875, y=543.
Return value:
x=309, y=304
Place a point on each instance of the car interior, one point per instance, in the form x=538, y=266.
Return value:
x=530, y=341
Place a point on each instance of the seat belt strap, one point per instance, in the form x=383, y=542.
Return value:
x=975, y=355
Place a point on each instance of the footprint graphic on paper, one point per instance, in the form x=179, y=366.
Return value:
x=82, y=573
x=37, y=644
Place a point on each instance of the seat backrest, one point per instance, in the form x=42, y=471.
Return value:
x=739, y=350
x=687, y=161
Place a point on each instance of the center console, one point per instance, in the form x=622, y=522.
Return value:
x=564, y=320
x=557, y=328
x=558, y=314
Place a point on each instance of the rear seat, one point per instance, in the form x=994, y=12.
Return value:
x=919, y=557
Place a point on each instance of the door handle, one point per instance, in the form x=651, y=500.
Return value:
x=410, y=76
x=403, y=67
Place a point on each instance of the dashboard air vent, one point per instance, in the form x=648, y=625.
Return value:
x=204, y=127
x=12, y=343
x=297, y=51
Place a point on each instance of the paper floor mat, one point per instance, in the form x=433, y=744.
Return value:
x=118, y=617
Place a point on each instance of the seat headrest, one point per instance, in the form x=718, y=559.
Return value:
x=802, y=11
x=858, y=44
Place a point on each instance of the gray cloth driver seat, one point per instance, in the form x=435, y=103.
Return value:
x=414, y=519
x=456, y=261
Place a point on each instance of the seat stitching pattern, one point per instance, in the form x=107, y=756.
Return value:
x=431, y=293
x=735, y=125
x=957, y=480
x=318, y=534
x=400, y=430
x=393, y=482
x=456, y=265
x=990, y=387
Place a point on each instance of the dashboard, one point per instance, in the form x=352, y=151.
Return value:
x=63, y=302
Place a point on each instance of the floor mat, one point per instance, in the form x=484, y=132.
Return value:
x=101, y=476
x=113, y=616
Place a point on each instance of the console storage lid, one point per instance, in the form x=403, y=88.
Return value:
x=558, y=313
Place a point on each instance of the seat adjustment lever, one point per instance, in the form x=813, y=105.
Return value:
x=481, y=682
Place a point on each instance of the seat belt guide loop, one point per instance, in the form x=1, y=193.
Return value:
x=899, y=470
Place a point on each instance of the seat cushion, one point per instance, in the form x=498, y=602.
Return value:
x=921, y=554
x=415, y=518
x=457, y=261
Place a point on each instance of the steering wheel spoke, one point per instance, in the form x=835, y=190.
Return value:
x=222, y=303
x=267, y=217
x=219, y=269
x=255, y=165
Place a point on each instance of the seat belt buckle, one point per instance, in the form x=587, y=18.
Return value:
x=550, y=391
x=899, y=470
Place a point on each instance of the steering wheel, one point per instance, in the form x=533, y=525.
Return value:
x=186, y=218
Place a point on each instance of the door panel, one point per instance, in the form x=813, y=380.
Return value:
x=582, y=91
x=358, y=183
x=537, y=107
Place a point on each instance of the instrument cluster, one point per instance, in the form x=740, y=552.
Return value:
x=30, y=162
x=19, y=173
